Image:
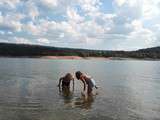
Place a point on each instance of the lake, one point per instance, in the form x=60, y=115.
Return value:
x=129, y=90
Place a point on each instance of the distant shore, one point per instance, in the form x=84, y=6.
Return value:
x=79, y=58
x=84, y=58
x=49, y=52
x=73, y=57
x=63, y=57
x=92, y=58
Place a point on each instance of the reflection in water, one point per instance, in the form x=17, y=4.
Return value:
x=83, y=102
x=67, y=94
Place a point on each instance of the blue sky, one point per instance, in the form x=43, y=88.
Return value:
x=91, y=24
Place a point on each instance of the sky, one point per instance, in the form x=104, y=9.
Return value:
x=90, y=24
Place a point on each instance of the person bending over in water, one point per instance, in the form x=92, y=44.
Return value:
x=86, y=81
x=64, y=82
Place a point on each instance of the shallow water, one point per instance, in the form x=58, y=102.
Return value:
x=129, y=90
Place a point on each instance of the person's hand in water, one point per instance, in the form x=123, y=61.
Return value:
x=83, y=93
x=96, y=87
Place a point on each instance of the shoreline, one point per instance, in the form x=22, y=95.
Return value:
x=73, y=57
x=80, y=58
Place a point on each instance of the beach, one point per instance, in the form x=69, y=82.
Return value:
x=75, y=57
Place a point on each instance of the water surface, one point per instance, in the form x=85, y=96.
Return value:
x=129, y=90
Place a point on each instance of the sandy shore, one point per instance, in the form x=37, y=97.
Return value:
x=62, y=57
x=74, y=57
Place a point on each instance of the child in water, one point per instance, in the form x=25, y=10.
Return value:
x=86, y=81
x=64, y=82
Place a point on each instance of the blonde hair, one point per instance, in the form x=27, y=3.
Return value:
x=69, y=76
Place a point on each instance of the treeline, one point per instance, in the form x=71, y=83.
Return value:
x=24, y=50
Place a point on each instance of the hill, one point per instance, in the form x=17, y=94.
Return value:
x=26, y=50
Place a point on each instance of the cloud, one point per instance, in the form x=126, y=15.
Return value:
x=32, y=10
x=10, y=23
x=130, y=24
x=144, y=38
x=120, y=2
x=43, y=41
x=61, y=35
x=49, y=3
x=90, y=6
x=73, y=16
x=21, y=40
x=9, y=3
x=32, y=29
x=150, y=8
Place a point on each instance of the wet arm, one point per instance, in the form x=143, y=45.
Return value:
x=84, y=83
x=60, y=80
x=73, y=84
x=59, y=84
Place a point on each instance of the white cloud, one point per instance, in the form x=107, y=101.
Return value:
x=43, y=41
x=120, y=2
x=73, y=16
x=150, y=8
x=76, y=23
x=9, y=3
x=32, y=10
x=142, y=38
x=90, y=6
x=49, y=3
x=21, y=40
x=136, y=24
x=8, y=23
x=32, y=29
x=11, y=21
x=61, y=35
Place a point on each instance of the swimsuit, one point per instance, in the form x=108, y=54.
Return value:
x=65, y=83
x=90, y=83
